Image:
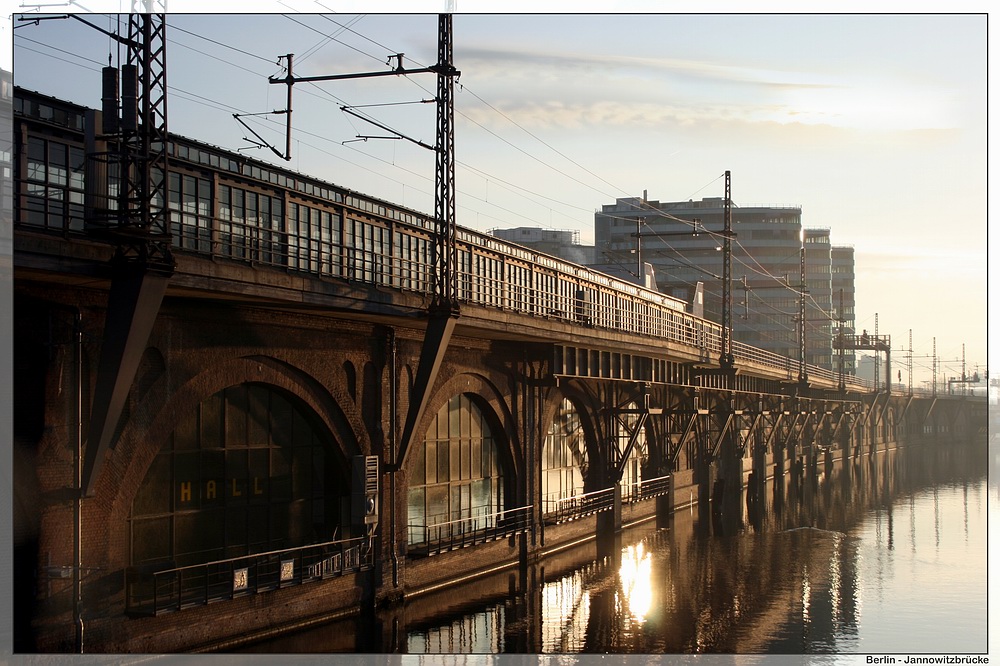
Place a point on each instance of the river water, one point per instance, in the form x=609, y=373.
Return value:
x=881, y=555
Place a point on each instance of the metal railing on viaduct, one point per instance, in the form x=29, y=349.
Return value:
x=225, y=207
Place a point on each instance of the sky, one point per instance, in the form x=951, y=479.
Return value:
x=875, y=124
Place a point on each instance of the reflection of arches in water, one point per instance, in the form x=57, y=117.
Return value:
x=566, y=612
x=249, y=470
x=482, y=632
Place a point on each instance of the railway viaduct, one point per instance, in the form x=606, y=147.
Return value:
x=314, y=506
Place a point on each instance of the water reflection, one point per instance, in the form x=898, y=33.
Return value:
x=636, y=582
x=818, y=567
x=477, y=633
x=566, y=611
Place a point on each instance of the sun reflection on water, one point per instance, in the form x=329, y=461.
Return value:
x=636, y=580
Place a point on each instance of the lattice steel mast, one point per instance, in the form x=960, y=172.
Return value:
x=444, y=308
x=726, y=359
x=142, y=263
x=446, y=251
x=143, y=228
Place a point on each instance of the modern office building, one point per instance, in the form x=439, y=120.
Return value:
x=819, y=298
x=683, y=241
x=842, y=282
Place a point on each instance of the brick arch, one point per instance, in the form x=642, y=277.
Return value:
x=162, y=408
x=495, y=404
x=491, y=402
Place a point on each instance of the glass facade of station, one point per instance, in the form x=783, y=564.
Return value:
x=249, y=471
x=455, y=474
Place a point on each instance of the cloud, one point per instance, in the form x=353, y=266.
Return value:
x=925, y=265
x=652, y=90
x=500, y=62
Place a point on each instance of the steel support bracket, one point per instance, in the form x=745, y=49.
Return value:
x=440, y=327
x=676, y=449
x=133, y=303
x=722, y=435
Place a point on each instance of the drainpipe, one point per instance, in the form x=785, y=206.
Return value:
x=78, y=495
x=77, y=489
x=392, y=447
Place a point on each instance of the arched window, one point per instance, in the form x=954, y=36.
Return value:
x=250, y=470
x=564, y=458
x=455, y=474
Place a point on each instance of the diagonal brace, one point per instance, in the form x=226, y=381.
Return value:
x=134, y=300
x=439, y=329
x=632, y=439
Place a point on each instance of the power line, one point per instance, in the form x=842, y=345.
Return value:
x=355, y=32
x=223, y=45
x=463, y=164
x=75, y=55
x=329, y=38
x=208, y=101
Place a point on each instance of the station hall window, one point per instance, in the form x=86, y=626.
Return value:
x=53, y=185
x=456, y=475
x=189, y=199
x=250, y=470
x=564, y=457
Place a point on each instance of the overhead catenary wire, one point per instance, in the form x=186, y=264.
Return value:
x=491, y=132
x=533, y=135
x=329, y=95
x=328, y=39
x=465, y=88
x=460, y=163
x=190, y=96
x=174, y=27
x=195, y=98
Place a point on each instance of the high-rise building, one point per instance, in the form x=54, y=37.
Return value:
x=819, y=298
x=683, y=241
x=842, y=282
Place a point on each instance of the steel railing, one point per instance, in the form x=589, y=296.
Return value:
x=157, y=588
x=438, y=537
x=564, y=509
x=646, y=489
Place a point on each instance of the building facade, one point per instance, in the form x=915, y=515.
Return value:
x=842, y=283
x=683, y=241
x=819, y=298
x=562, y=243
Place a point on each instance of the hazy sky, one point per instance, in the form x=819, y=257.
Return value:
x=874, y=124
